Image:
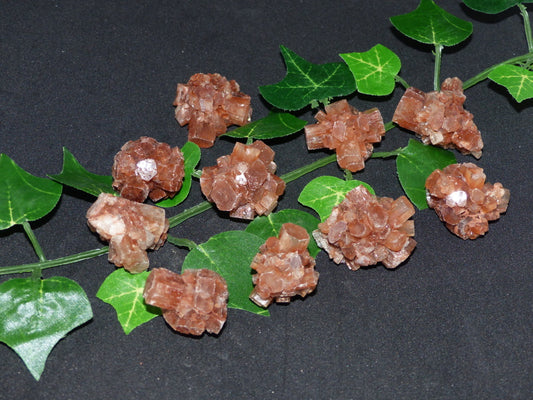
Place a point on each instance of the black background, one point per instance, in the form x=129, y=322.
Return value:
x=453, y=322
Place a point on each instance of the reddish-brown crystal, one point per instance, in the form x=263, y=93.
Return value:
x=243, y=182
x=130, y=227
x=347, y=130
x=193, y=302
x=145, y=167
x=464, y=201
x=365, y=229
x=210, y=103
x=439, y=118
x=283, y=267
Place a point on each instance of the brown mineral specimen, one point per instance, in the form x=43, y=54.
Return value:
x=130, y=227
x=243, y=182
x=347, y=130
x=365, y=229
x=439, y=118
x=193, y=302
x=284, y=267
x=464, y=201
x=145, y=167
x=210, y=103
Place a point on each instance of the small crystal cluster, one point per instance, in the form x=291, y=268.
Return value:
x=462, y=199
x=284, y=267
x=439, y=117
x=193, y=302
x=145, y=167
x=130, y=227
x=365, y=229
x=350, y=132
x=210, y=103
x=243, y=182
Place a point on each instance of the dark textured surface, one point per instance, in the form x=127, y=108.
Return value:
x=454, y=322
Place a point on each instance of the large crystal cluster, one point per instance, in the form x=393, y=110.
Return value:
x=193, y=302
x=464, y=201
x=243, y=182
x=145, y=167
x=210, y=103
x=439, y=118
x=350, y=132
x=130, y=227
x=283, y=267
x=365, y=229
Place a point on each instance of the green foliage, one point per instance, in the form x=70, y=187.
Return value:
x=492, y=6
x=272, y=126
x=517, y=80
x=36, y=314
x=307, y=83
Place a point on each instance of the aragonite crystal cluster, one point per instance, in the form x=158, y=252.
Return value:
x=192, y=303
x=350, y=132
x=283, y=267
x=146, y=167
x=439, y=118
x=365, y=229
x=464, y=201
x=243, y=182
x=210, y=103
x=130, y=227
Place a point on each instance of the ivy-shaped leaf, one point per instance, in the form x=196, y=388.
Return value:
x=429, y=23
x=415, y=163
x=36, y=314
x=74, y=175
x=325, y=192
x=374, y=70
x=230, y=255
x=308, y=83
x=492, y=6
x=269, y=225
x=24, y=197
x=517, y=80
x=124, y=291
x=274, y=125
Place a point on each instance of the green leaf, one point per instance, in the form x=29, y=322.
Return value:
x=415, y=163
x=74, y=175
x=24, y=197
x=274, y=125
x=492, y=6
x=36, y=314
x=269, y=225
x=191, y=154
x=517, y=80
x=230, y=255
x=307, y=83
x=325, y=192
x=374, y=70
x=124, y=291
x=431, y=24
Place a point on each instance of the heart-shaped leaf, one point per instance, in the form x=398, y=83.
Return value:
x=269, y=225
x=415, y=163
x=307, y=83
x=36, y=314
x=492, y=6
x=517, y=80
x=274, y=125
x=374, y=70
x=124, y=291
x=429, y=23
x=230, y=255
x=24, y=197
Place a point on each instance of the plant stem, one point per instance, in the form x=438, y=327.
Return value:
x=34, y=241
x=386, y=154
x=181, y=242
x=189, y=213
x=401, y=81
x=438, y=61
x=299, y=172
x=527, y=27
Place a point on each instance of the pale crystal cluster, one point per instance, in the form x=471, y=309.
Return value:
x=146, y=167
x=464, y=201
x=283, y=267
x=365, y=229
x=130, y=227
x=243, y=182
x=192, y=303
x=350, y=132
x=210, y=103
x=439, y=118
